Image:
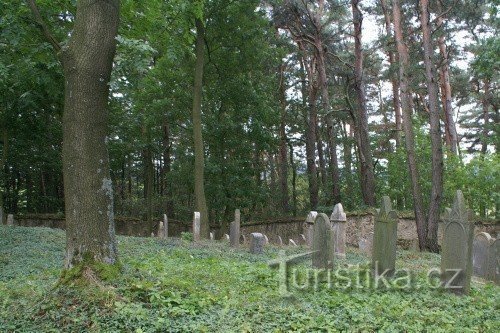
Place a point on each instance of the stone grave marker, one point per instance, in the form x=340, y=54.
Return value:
x=338, y=219
x=456, y=254
x=234, y=230
x=322, y=242
x=196, y=226
x=309, y=226
x=384, y=239
x=280, y=241
x=495, y=263
x=482, y=255
x=257, y=241
x=10, y=219
x=292, y=242
x=165, y=226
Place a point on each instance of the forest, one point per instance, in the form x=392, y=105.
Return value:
x=274, y=107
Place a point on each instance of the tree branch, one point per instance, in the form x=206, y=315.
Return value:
x=42, y=26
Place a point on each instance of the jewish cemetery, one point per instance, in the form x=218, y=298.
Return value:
x=249, y=166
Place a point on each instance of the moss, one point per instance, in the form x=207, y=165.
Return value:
x=90, y=271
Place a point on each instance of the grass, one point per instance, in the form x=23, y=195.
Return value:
x=175, y=286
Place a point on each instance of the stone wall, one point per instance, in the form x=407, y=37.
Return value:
x=358, y=226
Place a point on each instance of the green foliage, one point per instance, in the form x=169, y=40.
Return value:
x=176, y=286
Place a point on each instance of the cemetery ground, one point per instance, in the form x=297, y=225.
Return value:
x=175, y=285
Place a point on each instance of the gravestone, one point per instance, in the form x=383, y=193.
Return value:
x=267, y=240
x=322, y=242
x=495, y=263
x=10, y=219
x=309, y=227
x=482, y=254
x=212, y=236
x=227, y=236
x=196, y=227
x=366, y=244
x=292, y=242
x=160, y=230
x=303, y=239
x=257, y=241
x=456, y=255
x=280, y=241
x=165, y=226
x=384, y=239
x=338, y=219
x=234, y=230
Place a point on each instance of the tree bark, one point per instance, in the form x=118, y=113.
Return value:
x=418, y=206
x=283, y=158
x=148, y=177
x=87, y=62
x=199, y=162
x=394, y=77
x=435, y=130
x=450, y=127
x=365, y=154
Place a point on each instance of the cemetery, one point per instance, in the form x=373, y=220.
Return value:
x=251, y=284
x=249, y=166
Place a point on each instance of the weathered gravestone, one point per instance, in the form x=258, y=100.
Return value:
x=257, y=242
x=266, y=240
x=322, y=242
x=456, y=256
x=292, y=242
x=280, y=241
x=338, y=220
x=366, y=244
x=10, y=219
x=165, y=226
x=483, y=260
x=495, y=263
x=234, y=230
x=196, y=227
x=309, y=227
x=384, y=239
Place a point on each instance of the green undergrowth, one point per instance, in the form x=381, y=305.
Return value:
x=175, y=286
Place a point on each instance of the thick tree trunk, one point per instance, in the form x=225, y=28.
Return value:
x=310, y=149
x=334, y=165
x=450, y=127
x=321, y=157
x=87, y=62
x=435, y=130
x=199, y=159
x=367, y=176
x=394, y=77
x=167, y=160
x=418, y=206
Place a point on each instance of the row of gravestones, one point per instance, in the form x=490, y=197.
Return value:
x=457, y=264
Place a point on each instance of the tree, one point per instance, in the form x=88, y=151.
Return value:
x=87, y=60
x=418, y=206
x=367, y=177
x=435, y=130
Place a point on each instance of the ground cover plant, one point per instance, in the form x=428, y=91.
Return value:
x=176, y=286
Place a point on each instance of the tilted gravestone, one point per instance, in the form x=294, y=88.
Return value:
x=309, y=226
x=257, y=242
x=338, y=220
x=384, y=239
x=322, y=242
x=292, y=242
x=196, y=227
x=482, y=256
x=456, y=256
x=234, y=230
x=280, y=241
x=10, y=219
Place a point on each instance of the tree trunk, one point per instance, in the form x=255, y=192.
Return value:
x=3, y=180
x=418, y=206
x=294, y=180
x=87, y=61
x=166, y=186
x=283, y=159
x=450, y=127
x=334, y=164
x=199, y=163
x=321, y=157
x=435, y=130
x=485, y=101
x=394, y=77
x=310, y=148
x=148, y=177
x=367, y=176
